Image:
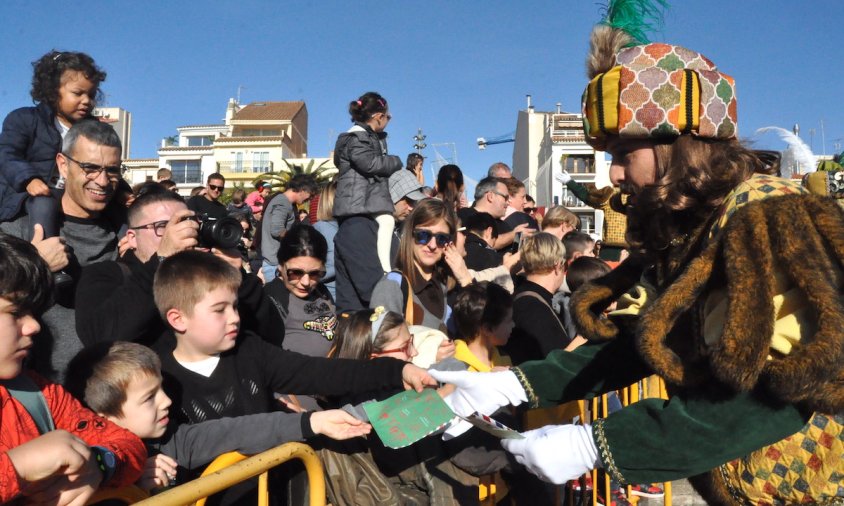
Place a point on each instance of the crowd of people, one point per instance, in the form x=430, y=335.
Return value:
x=143, y=333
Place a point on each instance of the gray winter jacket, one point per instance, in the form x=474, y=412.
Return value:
x=364, y=166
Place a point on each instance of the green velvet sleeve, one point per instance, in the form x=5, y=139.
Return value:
x=581, y=192
x=590, y=370
x=655, y=440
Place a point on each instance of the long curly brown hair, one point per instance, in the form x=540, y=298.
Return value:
x=693, y=178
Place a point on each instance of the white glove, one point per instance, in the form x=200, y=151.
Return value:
x=484, y=392
x=556, y=453
x=563, y=177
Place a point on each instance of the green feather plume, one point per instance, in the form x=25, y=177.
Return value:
x=635, y=17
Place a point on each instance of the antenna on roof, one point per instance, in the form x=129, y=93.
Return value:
x=239, y=87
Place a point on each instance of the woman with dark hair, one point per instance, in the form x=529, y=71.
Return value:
x=737, y=276
x=301, y=299
x=417, y=288
x=449, y=186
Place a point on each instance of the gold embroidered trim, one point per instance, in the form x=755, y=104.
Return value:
x=533, y=400
x=604, y=448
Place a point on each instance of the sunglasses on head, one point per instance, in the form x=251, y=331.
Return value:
x=216, y=188
x=422, y=237
x=297, y=274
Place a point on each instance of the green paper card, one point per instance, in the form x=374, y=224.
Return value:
x=407, y=417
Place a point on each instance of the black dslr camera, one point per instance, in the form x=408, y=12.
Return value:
x=220, y=233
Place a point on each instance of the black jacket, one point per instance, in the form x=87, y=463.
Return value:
x=479, y=255
x=537, y=330
x=28, y=147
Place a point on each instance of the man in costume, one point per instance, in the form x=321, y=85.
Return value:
x=737, y=277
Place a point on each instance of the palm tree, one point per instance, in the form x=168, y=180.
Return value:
x=278, y=180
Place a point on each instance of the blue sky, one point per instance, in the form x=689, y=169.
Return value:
x=459, y=70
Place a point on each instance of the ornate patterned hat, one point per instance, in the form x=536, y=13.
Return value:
x=652, y=90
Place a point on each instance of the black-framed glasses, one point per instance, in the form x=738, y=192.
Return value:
x=297, y=274
x=407, y=349
x=422, y=236
x=93, y=170
x=217, y=188
x=505, y=195
x=156, y=226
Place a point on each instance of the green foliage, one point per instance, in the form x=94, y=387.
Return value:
x=278, y=180
x=636, y=17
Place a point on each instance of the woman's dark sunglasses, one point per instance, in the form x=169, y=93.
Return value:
x=297, y=274
x=422, y=236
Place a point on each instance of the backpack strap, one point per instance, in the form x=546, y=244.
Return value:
x=407, y=300
x=535, y=295
x=27, y=393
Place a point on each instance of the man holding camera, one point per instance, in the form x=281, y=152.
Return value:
x=119, y=304
x=209, y=204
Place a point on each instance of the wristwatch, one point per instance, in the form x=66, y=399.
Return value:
x=106, y=461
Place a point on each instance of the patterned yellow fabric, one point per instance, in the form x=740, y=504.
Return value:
x=772, y=475
x=807, y=467
x=758, y=187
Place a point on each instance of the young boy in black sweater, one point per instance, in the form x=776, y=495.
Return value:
x=212, y=370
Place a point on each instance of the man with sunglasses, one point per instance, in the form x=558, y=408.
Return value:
x=492, y=197
x=118, y=298
x=90, y=218
x=209, y=203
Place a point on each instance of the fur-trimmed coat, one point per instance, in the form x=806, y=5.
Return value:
x=730, y=395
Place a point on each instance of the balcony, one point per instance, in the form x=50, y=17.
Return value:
x=244, y=166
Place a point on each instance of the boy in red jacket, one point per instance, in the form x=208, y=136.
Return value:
x=51, y=448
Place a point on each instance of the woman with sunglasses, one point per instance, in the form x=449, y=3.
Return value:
x=301, y=298
x=420, y=270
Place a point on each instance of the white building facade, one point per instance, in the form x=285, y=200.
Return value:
x=547, y=142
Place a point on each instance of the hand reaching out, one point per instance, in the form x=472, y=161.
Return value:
x=338, y=424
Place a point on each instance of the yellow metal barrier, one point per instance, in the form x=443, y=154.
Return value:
x=253, y=466
x=227, y=459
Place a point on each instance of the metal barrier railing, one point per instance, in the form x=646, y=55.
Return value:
x=253, y=466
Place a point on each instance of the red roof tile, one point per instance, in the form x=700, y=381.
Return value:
x=264, y=111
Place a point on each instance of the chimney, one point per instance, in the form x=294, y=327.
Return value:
x=559, y=107
x=231, y=109
x=529, y=105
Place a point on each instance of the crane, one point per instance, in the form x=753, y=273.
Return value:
x=501, y=139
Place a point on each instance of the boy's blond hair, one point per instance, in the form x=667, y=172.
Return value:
x=558, y=215
x=100, y=374
x=185, y=278
x=541, y=252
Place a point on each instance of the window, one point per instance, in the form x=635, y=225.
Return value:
x=186, y=171
x=260, y=161
x=260, y=132
x=587, y=222
x=201, y=140
x=238, y=161
x=579, y=164
x=569, y=200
